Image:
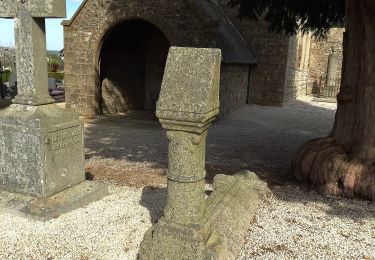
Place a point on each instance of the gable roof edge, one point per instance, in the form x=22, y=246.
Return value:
x=69, y=22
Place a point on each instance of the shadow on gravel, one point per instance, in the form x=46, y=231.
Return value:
x=4, y=103
x=260, y=139
x=137, y=137
x=343, y=208
x=155, y=200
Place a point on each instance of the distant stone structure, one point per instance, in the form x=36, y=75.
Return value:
x=7, y=57
x=115, y=53
x=333, y=62
x=319, y=55
x=110, y=65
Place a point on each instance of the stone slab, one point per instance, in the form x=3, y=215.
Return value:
x=189, y=93
x=230, y=211
x=231, y=208
x=52, y=207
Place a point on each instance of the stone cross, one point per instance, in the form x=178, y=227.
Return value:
x=30, y=38
x=188, y=104
x=331, y=79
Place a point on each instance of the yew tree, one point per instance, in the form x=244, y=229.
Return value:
x=342, y=163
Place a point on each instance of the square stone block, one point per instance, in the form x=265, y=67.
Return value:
x=42, y=151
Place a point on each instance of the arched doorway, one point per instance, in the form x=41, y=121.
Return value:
x=132, y=62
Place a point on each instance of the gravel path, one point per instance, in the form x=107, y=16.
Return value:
x=296, y=223
x=261, y=139
x=130, y=153
x=111, y=228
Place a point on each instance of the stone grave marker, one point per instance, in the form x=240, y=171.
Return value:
x=188, y=104
x=194, y=227
x=42, y=150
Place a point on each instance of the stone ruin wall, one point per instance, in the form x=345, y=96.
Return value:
x=268, y=77
x=83, y=38
x=182, y=27
x=271, y=50
x=320, y=50
x=275, y=80
x=297, y=72
x=287, y=65
x=233, y=87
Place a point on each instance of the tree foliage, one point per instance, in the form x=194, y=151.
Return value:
x=292, y=16
x=54, y=63
x=7, y=56
x=58, y=75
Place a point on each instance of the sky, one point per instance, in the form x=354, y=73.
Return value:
x=54, y=29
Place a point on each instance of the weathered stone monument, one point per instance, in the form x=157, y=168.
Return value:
x=188, y=103
x=194, y=227
x=42, y=151
x=333, y=62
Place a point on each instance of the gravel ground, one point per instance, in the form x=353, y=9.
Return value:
x=297, y=223
x=111, y=228
x=130, y=153
x=261, y=139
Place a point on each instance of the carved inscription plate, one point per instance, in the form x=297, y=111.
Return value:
x=63, y=139
x=64, y=157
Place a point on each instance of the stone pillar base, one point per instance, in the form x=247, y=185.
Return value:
x=167, y=240
x=46, y=209
x=33, y=101
x=230, y=210
x=42, y=150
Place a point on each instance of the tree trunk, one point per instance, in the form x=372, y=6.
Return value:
x=344, y=162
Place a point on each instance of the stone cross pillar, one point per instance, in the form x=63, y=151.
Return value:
x=188, y=104
x=30, y=34
x=41, y=144
x=333, y=61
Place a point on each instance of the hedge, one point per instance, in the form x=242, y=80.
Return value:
x=56, y=75
x=5, y=75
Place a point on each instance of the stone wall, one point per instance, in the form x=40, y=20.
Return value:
x=131, y=67
x=295, y=84
x=297, y=72
x=122, y=87
x=320, y=50
x=156, y=57
x=84, y=36
x=233, y=87
x=271, y=50
x=279, y=76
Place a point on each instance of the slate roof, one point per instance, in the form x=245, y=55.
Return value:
x=232, y=44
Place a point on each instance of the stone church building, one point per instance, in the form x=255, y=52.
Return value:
x=115, y=53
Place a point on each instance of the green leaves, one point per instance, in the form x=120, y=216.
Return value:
x=291, y=16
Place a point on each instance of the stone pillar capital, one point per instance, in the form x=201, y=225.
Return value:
x=189, y=96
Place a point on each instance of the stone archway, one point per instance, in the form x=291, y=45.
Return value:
x=131, y=66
